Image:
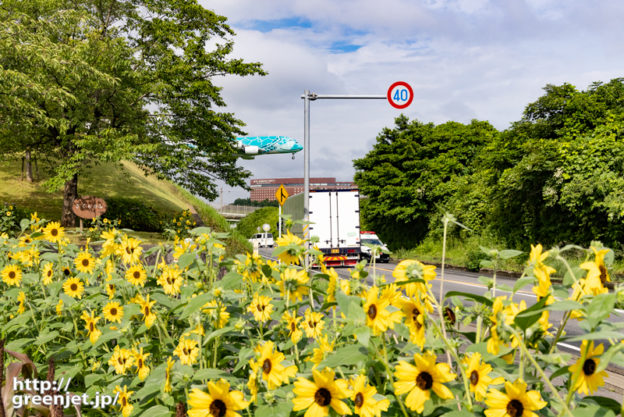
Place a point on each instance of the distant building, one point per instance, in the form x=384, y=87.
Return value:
x=265, y=188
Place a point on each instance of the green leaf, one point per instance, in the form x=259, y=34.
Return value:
x=345, y=356
x=195, y=304
x=281, y=409
x=157, y=411
x=24, y=224
x=592, y=411
x=46, y=337
x=600, y=308
x=209, y=373
x=602, y=334
x=459, y=413
x=606, y=357
x=522, y=282
x=186, y=260
x=479, y=298
x=531, y=315
x=509, y=253
x=363, y=335
x=605, y=402
x=559, y=372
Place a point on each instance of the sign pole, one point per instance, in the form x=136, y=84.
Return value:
x=306, y=166
x=279, y=231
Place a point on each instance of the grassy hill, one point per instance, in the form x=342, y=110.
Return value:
x=107, y=181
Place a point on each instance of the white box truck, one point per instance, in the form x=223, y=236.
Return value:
x=335, y=220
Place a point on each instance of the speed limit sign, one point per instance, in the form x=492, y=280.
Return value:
x=400, y=95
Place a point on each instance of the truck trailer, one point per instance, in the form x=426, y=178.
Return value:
x=335, y=220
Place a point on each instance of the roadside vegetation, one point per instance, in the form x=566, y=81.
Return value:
x=555, y=176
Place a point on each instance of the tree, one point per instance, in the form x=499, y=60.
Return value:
x=410, y=173
x=109, y=79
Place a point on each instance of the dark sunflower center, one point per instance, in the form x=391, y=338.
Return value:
x=474, y=377
x=424, y=381
x=359, y=399
x=12, y=274
x=140, y=363
x=124, y=401
x=449, y=315
x=91, y=327
x=589, y=367
x=292, y=327
x=266, y=366
x=372, y=312
x=113, y=311
x=217, y=408
x=66, y=272
x=515, y=408
x=603, y=274
x=415, y=314
x=49, y=273
x=186, y=351
x=260, y=307
x=146, y=311
x=312, y=324
x=73, y=287
x=54, y=232
x=322, y=397
x=85, y=262
x=136, y=275
x=129, y=250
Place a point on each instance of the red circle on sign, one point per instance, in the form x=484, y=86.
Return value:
x=409, y=100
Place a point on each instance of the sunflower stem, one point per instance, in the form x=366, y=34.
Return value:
x=440, y=312
x=385, y=363
x=539, y=369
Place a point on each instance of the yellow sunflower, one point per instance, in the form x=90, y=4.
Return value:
x=331, y=286
x=113, y=312
x=363, y=396
x=12, y=275
x=478, y=374
x=139, y=361
x=170, y=363
x=53, y=232
x=516, y=402
x=136, y=275
x=90, y=324
x=604, y=273
x=312, y=323
x=146, y=308
x=121, y=359
x=84, y=262
x=110, y=290
x=587, y=379
x=124, y=400
x=21, y=299
x=415, y=315
x=318, y=354
x=421, y=379
x=292, y=322
x=292, y=255
x=73, y=287
x=219, y=401
x=261, y=308
x=408, y=270
x=47, y=273
x=319, y=395
x=378, y=317
x=171, y=279
x=130, y=250
x=67, y=272
x=187, y=350
x=293, y=281
x=59, y=307
x=270, y=363
x=218, y=314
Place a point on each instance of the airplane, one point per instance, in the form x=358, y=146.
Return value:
x=259, y=145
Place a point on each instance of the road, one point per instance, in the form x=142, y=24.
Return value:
x=465, y=281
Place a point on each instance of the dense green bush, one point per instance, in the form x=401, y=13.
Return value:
x=249, y=224
x=136, y=215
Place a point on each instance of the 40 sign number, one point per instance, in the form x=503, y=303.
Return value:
x=400, y=95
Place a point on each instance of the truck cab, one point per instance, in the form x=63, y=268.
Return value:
x=368, y=239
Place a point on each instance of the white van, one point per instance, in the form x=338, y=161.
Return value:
x=263, y=240
x=370, y=238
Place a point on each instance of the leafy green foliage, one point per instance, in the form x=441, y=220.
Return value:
x=249, y=224
x=412, y=170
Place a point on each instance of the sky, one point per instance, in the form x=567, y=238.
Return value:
x=465, y=59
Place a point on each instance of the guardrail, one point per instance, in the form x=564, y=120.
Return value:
x=237, y=211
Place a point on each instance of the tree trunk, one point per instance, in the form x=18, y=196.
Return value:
x=70, y=193
x=28, y=166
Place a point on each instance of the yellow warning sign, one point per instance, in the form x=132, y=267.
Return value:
x=281, y=195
